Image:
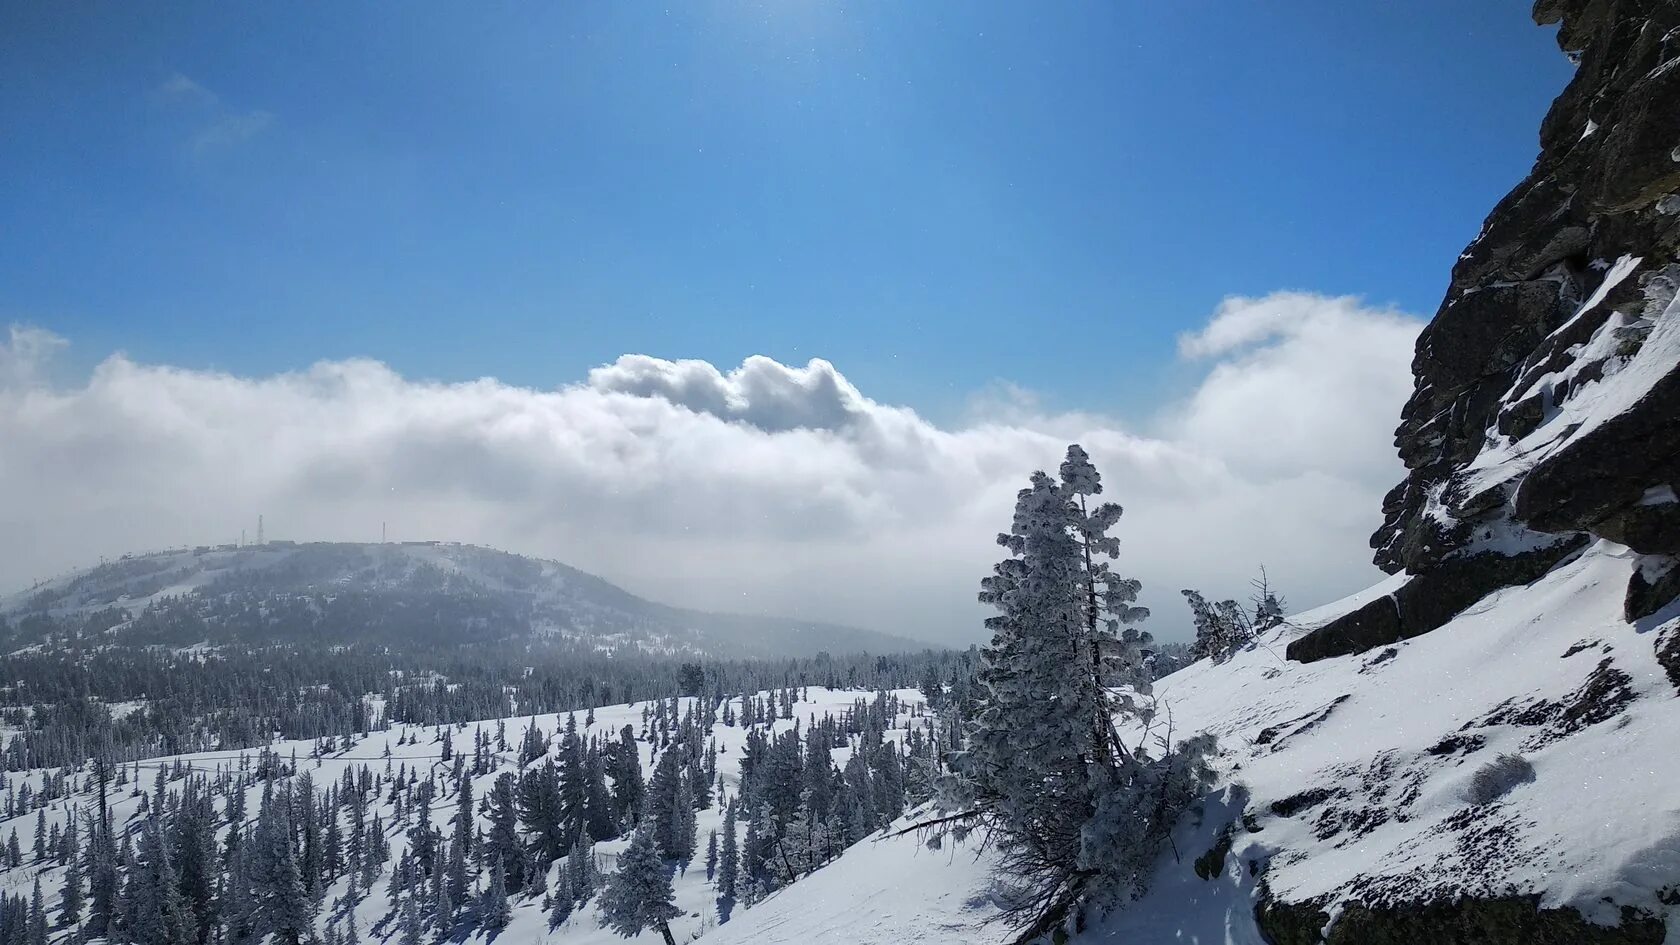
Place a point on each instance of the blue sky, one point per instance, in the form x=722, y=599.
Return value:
x=931, y=195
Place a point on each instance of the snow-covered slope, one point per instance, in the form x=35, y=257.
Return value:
x=403, y=593
x=1358, y=770
x=1348, y=779
x=885, y=891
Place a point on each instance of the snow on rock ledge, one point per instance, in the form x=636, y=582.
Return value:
x=1357, y=769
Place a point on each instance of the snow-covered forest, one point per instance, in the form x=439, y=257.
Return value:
x=671, y=814
x=668, y=817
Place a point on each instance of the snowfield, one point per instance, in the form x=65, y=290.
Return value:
x=1549, y=672
x=885, y=891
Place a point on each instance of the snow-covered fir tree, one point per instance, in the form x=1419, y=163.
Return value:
x=729, y=861
x=638, y=895
x=1225, y=627
x=1044, y=764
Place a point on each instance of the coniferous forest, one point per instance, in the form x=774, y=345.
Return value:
x=418, y=832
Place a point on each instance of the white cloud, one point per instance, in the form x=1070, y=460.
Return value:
x=761, y=392
x=1304, y=382
x=180, y=90
x=766, y=488
x=230, y=129
x=25, y=354
x=1241, y=321
x=215, y=125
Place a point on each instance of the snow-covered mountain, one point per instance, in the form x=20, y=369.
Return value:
x=397, y=594
x=1481, y=749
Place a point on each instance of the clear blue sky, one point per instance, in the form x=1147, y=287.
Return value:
x=903, y=188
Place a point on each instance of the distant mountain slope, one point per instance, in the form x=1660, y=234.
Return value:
x=413, y=594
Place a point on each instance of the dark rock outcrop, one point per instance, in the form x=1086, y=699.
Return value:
x=1668, y=655
x=1514, y=920
x=1509, y=441
x=1653, y=585
x=1599, y=481
x=1428, y=600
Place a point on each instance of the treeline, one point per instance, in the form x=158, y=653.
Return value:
x=60, y=704
x=801, y=810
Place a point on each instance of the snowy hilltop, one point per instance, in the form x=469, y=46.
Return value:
x=407, y=594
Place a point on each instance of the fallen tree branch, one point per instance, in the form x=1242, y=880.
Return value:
x=965, y=815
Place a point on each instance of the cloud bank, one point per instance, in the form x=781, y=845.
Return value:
x=766, y=488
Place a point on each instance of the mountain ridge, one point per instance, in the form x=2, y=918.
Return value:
x=317, y=589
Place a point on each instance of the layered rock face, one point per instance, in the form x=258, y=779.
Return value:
x=1546, y=406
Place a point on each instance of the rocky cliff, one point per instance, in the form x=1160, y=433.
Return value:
x=1546, y=406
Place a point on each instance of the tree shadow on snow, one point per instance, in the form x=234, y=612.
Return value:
x=1181, y=906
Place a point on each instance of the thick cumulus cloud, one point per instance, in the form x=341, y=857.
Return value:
x=764, y=393
x=766, y=488
x=1299, y=382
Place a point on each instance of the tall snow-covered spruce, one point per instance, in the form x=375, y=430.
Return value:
x=1078, y=813
x=638, y=895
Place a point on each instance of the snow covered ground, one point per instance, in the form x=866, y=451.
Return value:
x=1550, y=672
x=885, y=891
